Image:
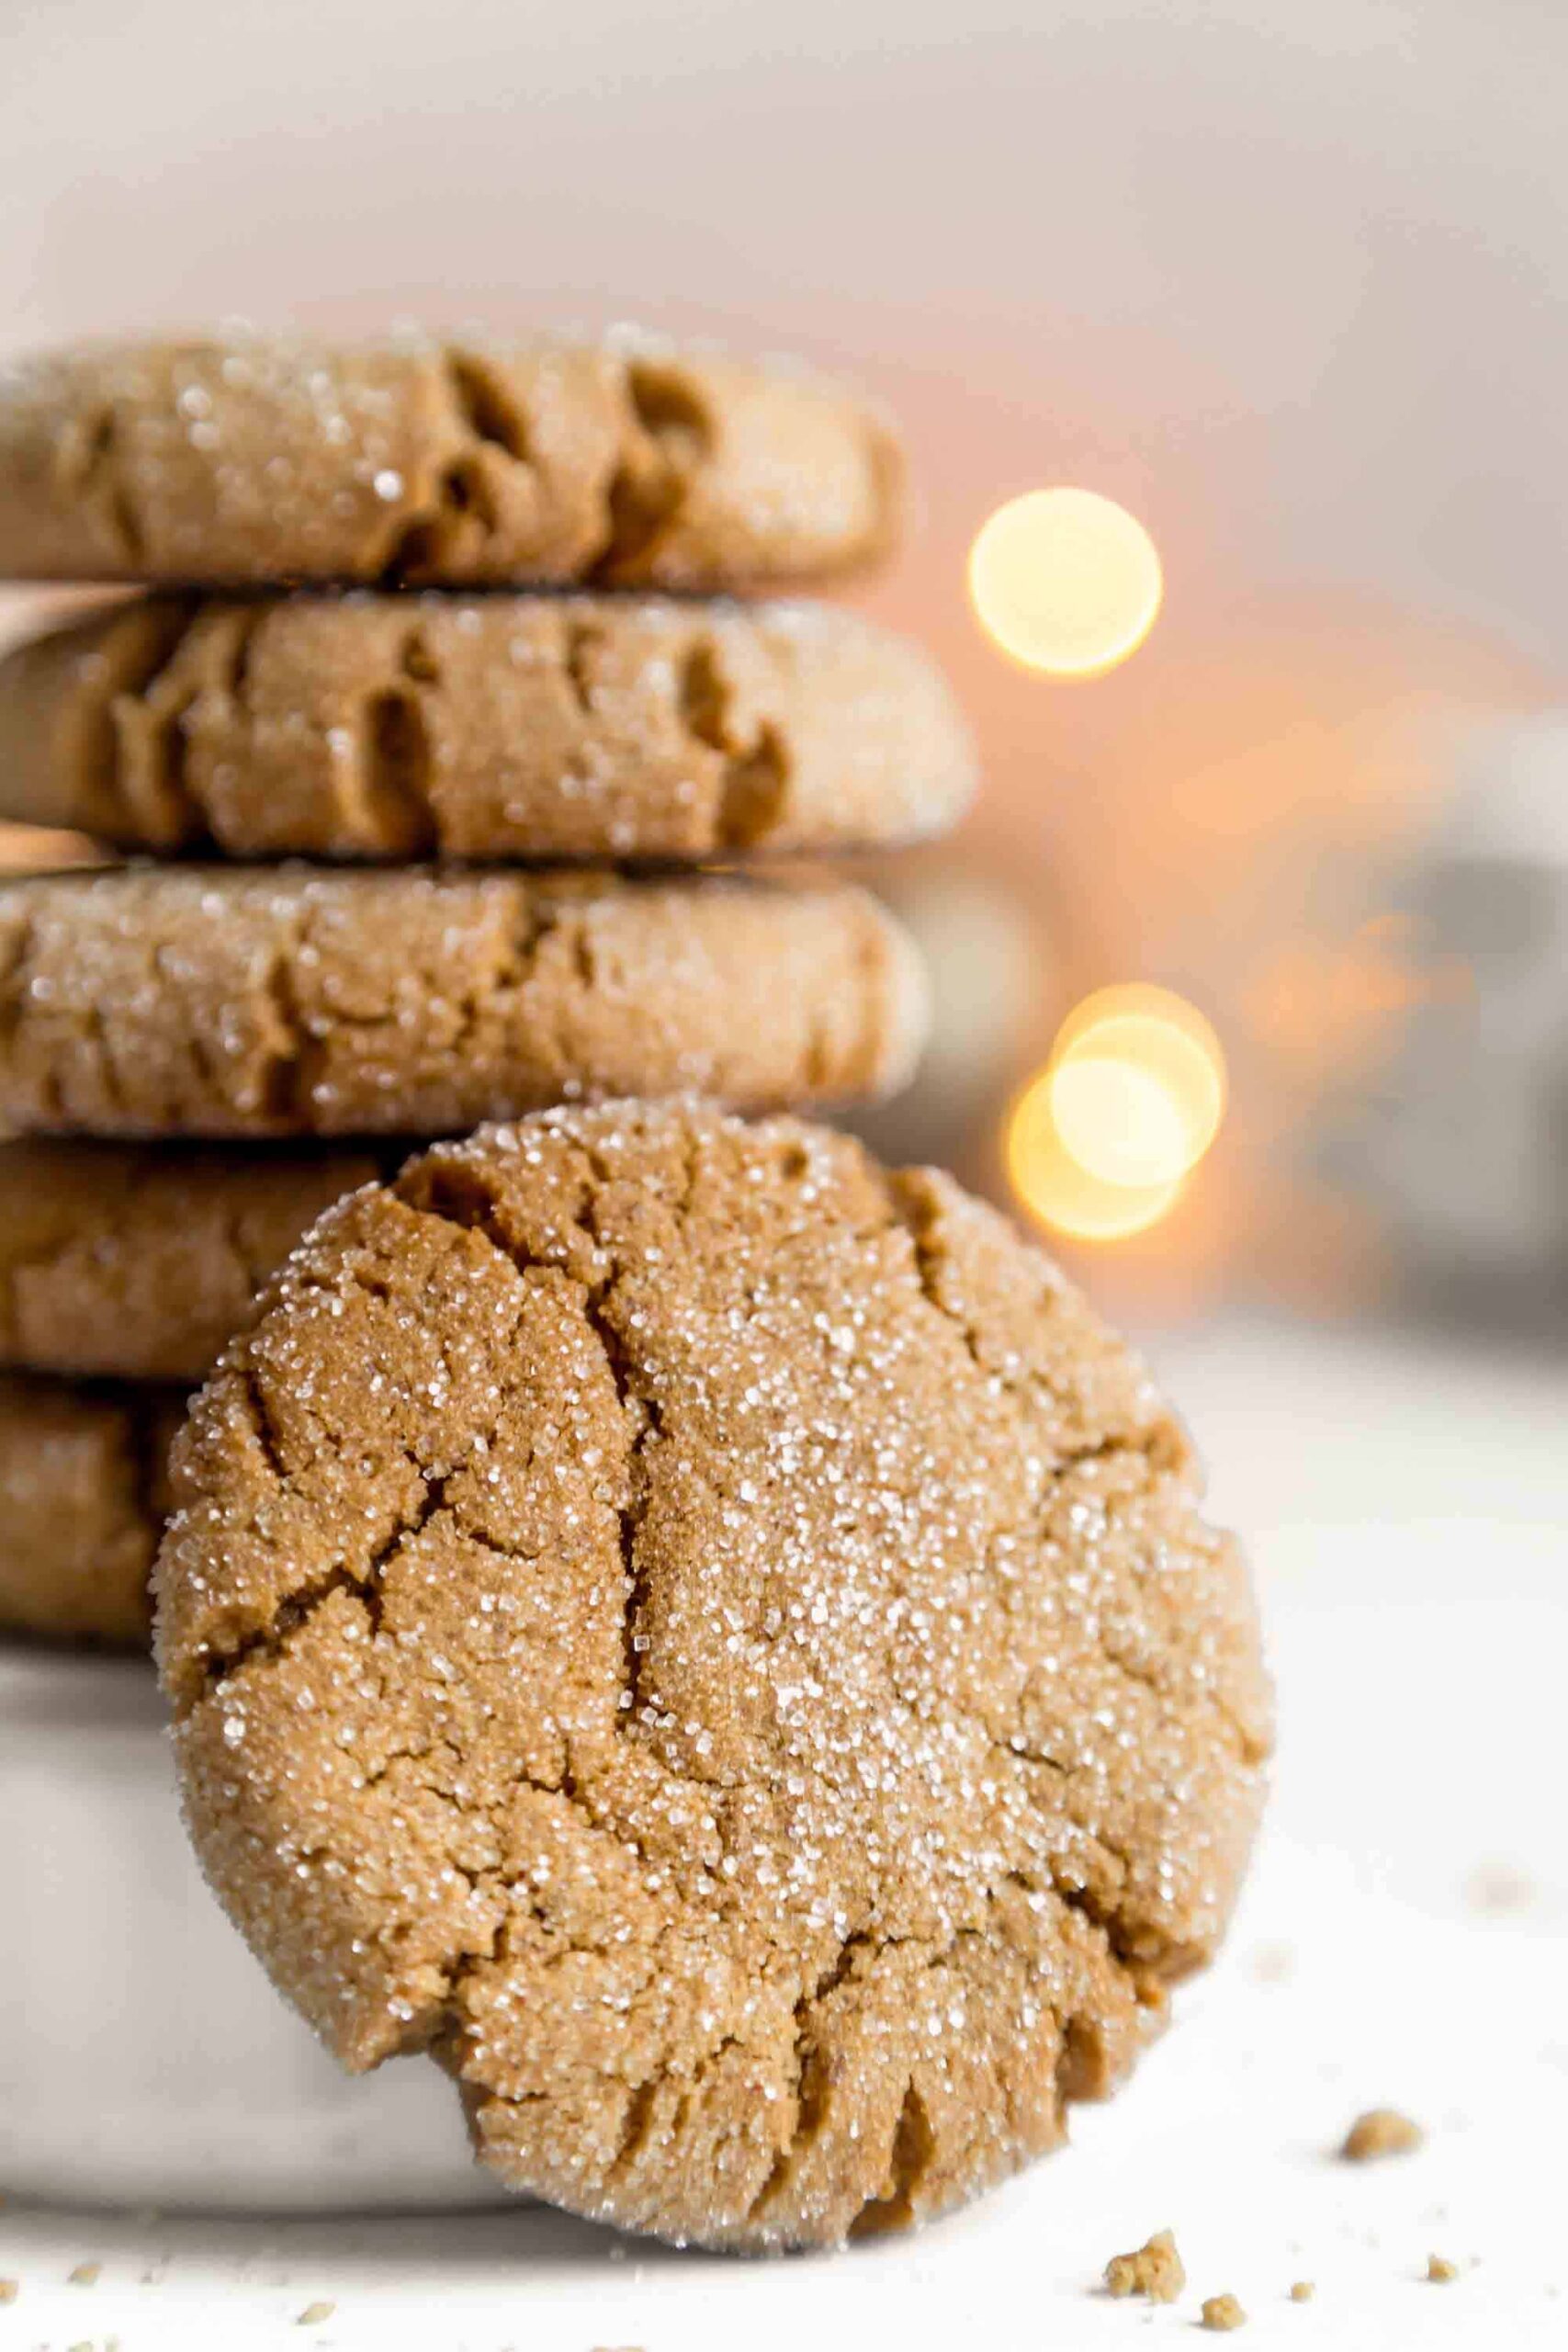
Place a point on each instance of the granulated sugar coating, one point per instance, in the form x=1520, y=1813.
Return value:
x=491, y=727
x=199, y=1000
x=416, y=460
x=716, y=1643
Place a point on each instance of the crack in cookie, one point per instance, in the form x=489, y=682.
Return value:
x=188, y=1000
x=718, y=1646
x=416, y=460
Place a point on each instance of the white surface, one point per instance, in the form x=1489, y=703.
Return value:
x=1406, y=1508
x=143, y=2056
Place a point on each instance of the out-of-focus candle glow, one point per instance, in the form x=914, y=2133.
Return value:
x=1062, y=1194
x=1118, y=1122
x=1102, y=1141
x=1065, y=581
x=1137, y=1085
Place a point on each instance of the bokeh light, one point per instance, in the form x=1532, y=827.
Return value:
x=1118, y=1122
x=1137, y=1085
x=1065, y=581
x=1100, y=1143
x=1062, y=1193
x=1139, y=999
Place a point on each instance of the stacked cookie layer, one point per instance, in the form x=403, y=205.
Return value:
x=589, y=756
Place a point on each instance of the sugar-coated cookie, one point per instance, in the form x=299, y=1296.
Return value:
x=219, y=1001
x=716, y=1643
x=500, y=727
x=81, y=1501
x=420, y=462
x=139, y=1264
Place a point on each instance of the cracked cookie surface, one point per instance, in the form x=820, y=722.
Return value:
x=382, y=728
x=82, y=1500
x=214, y=1002
x=418, y=462
x=139, y=1265
x=716, y=1643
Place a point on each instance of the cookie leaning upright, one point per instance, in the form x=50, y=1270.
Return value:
x=415, y=461
x=717, y=1642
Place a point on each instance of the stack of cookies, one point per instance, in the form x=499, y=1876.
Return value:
x=453, y=624
x=706, y=1637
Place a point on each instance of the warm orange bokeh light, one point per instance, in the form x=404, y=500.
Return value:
x=1118, y=1121
x=1065, y=581
x=1138, y=1000
x=1062, y=1194
x=1137, y=1085
x=1099, y=1144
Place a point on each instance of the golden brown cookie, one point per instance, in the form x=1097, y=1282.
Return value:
x=206, y=1001
x=500, y=727
x=139, y=1265
x=419, y=461
x=718, y=1643
x=83, y=1495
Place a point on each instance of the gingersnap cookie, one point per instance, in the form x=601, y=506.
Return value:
x=503, y=727
x=716, y=1643
x=82, y=1496
x=206, y=1001
x=420, y=462
x=139, y=1265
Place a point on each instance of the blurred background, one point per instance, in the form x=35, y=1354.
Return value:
x=1280, y=282
x=1277, y=281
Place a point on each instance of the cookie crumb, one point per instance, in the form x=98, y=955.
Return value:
x=10, y=2290
x=1223, y=2311
x=1155, y=2270
x=86, y=2274
x=314, y=2313
x=1439, y=2269
x=1302, y=2291
x=1381, y=2132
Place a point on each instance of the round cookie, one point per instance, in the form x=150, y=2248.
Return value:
x=716, y=1643
x=416, y=462
x=83, y=1495
x=207, y=1002
x=503, y=727
x=139, y=1265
